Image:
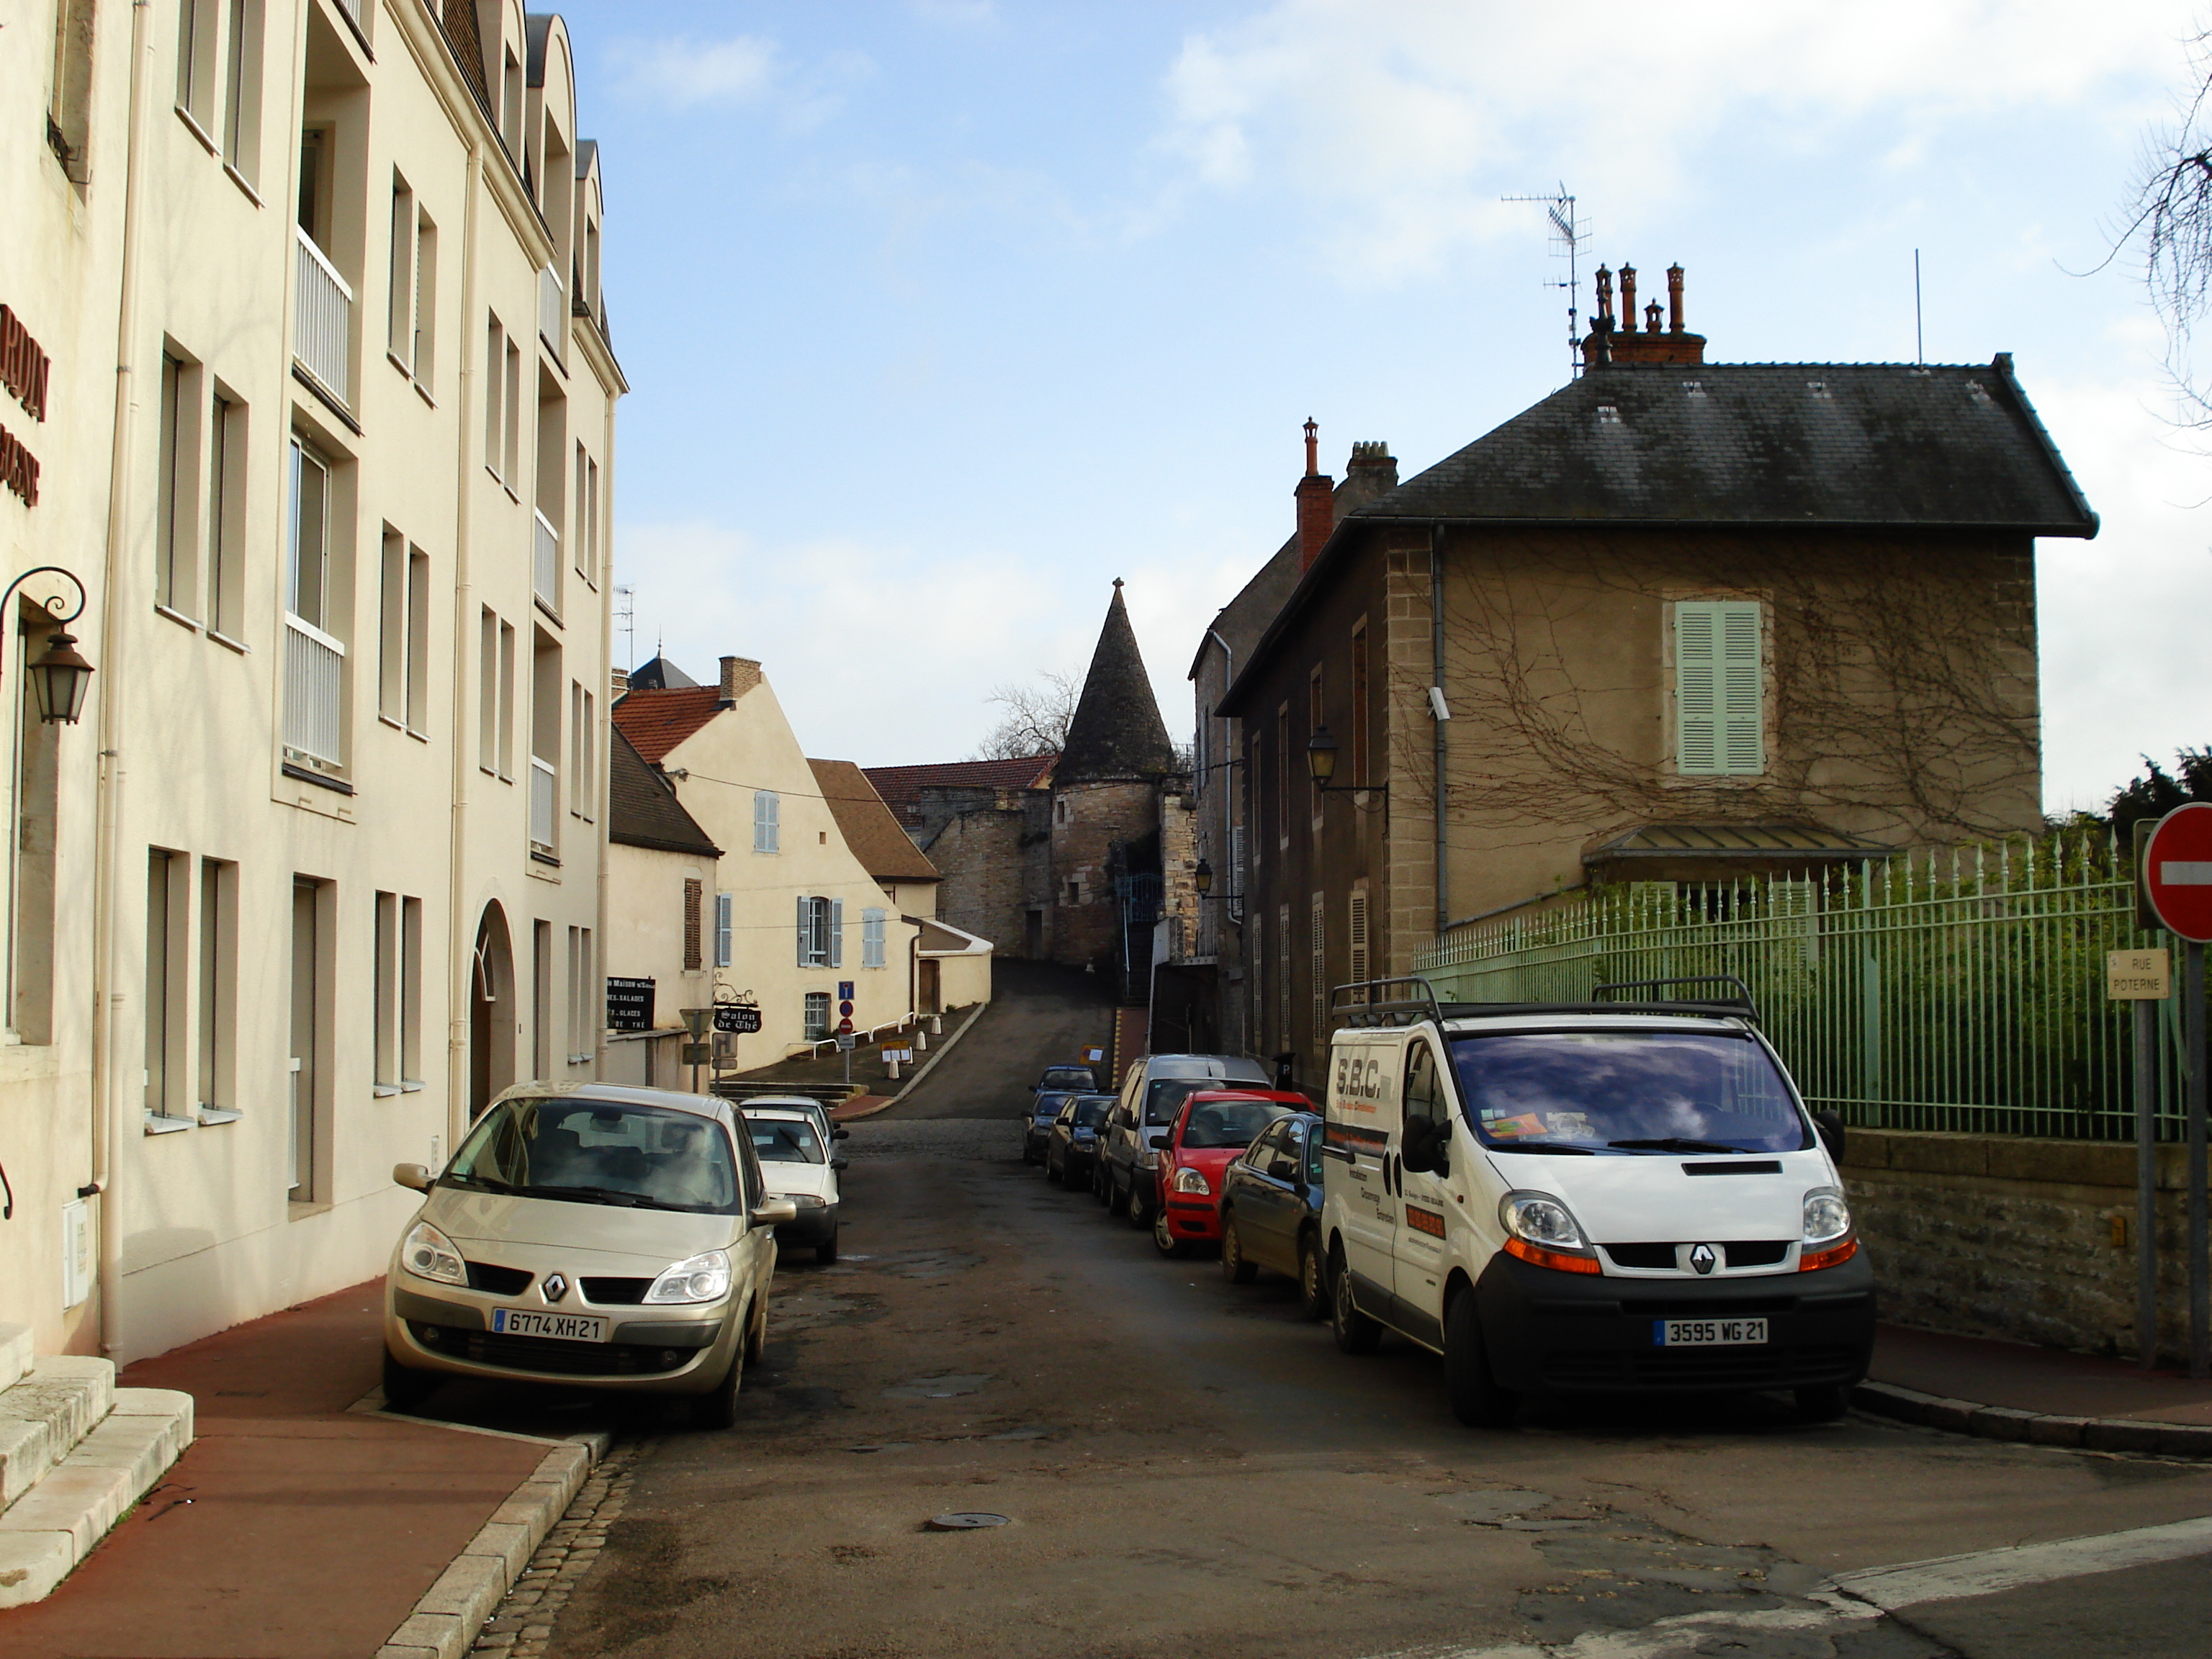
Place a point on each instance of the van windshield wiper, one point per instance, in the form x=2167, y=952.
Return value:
x=1674, y=1144
x=1566, y=1146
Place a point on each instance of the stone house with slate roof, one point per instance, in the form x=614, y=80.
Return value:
x=1676, y=620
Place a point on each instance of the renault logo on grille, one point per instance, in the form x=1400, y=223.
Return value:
x=557, y=1284
x=1701, y=1258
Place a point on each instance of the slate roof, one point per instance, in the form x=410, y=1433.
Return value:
x=656, y=721
x=1892, y=445
x=658, y=675
x=1117, y=732
x=642, y=810
x=901, y=787
x=884, y=850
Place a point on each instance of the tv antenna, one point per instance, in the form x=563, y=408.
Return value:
x=1569, y=233
x=626, y=619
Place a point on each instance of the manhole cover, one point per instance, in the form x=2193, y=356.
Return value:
x=964, y=1521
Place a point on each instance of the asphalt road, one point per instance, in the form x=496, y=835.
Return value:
x=1040, y=1015
x=1186, y=1466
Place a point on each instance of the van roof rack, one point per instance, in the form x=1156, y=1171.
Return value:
x=1404, y=1001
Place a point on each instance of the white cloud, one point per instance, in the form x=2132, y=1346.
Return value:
x=742, y=70
x=1402, y=121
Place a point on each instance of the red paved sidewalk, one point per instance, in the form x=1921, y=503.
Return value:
x=2044, y=1380
x=292, y=1529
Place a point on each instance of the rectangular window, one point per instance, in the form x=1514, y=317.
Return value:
x=241, y=80
x=391, y=631
x=225, y=514
x=511, y=414
x=426, y=301
x=399, y=289
x=583, y=750
x=816, y=1014
x=31, y=848
x=820, y=933
x=315, y=591
x=386, y=1014
x=307, y=577
x=418, y=642
x=872, y=938
x=311, y=902
x=166, y=878
x=196, y=24
x=725, y=929
x=177, y=489
x=494, y=388
x=1316, y=720
x=1719, y=712
x=545, y=700
x=693, y=952
x=580, y=529
x=488, y=692
x=1257, y=975
x=1361, y=712
x=582, y=1041
x=1283, y=775
x=411, y=993
x=506, y=702
x=1318, y=969
x=218, y=990
x=767, y=832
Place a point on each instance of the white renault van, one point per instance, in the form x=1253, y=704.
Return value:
x=1604, y=1197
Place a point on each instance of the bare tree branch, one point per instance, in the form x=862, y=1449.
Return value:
x=1035, y=721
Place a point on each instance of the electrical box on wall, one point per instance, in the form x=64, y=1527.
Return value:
x=76, y=1253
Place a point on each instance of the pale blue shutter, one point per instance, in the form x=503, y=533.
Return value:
x=805, y=917
x=836, y=932
x=1719, y=717
x=723, y=928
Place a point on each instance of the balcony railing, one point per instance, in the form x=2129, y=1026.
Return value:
x=322, y=330
x=553, y=313
x=542, y=793
x=545, y=565
x=314, y=691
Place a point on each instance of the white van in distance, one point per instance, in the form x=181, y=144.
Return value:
x=1606, y=1197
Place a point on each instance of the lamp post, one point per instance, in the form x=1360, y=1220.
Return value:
x=61, y=676
x=1321, y=766
x=1202, y=879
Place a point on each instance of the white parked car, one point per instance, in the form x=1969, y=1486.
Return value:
x=1601, y=1197
x=796, y=1162
x=617, y=1238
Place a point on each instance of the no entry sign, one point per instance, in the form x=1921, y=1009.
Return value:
x=2177, y=871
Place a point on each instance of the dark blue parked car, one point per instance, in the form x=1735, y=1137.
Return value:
x=1036, y=1122
x=1270, y=1210
x=1071, y=1148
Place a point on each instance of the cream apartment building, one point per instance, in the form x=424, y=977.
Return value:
x=796, y=912
x=345, y=852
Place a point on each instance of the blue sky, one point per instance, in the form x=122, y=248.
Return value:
x=941, y=314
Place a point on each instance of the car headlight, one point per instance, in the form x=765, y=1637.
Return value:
x=1827, y=1218
x=1540, y=1229
x=428, y=1254
x=1189, y=1181
x=702, y=1278
x=804, y=1200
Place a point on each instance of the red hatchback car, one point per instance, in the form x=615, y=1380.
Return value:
x=1214, y=1126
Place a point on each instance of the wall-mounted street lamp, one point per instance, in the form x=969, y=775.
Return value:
x=1321, y=766
x=60, y=678
x=1202, y=879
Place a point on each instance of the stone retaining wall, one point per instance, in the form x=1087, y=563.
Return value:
x=2031, y=1240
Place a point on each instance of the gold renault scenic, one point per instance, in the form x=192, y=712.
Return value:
x=603, y=1237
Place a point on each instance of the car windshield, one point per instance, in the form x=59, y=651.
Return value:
x=1627, y=1093
x=1049, y=1105
x=1066, y=1077
x=1218, y=1123
x=1090, y=1113
x=785, y=1140
x=590, y=1152
x=1165, y=1096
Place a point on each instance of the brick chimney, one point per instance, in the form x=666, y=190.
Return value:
x=1628, y=299
x=1609, y=344
x=739, y=676
x=1316, y=494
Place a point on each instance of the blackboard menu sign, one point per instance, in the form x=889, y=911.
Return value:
x=738, y=1017
x=629, y=1005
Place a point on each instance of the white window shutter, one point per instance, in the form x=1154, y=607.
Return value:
x=1697, y=711
x=723, y=928
x=1742, y=741
x=836, y=932
x=1720, y=717
x=775, y=822
x=805, y=932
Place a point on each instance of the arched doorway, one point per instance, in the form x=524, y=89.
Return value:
x=491, y=1010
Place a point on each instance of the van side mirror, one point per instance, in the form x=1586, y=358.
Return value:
x=840, y=1163
x=414, y=1175
x=1426, y=1147
x=1830, y=1127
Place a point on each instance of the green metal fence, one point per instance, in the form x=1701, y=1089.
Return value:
x=1959, y=991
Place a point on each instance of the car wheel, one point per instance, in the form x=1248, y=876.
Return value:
x=1140, y=1209
x=1355, y=1332
x=1117, y=1201
x=1313, y=1282
x=1057, y=1177
x=717, y=1408
x=1824, y=1403
x=1476, y=1399
x=826, y=1252
x=405, y=1387
x=1169, y=1244
x=1234, y=1267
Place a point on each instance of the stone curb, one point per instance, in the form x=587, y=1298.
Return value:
x=446, y=1621
x=927, y=1066
x=2118, y=1434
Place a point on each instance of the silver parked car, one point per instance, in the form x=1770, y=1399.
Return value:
x=613, y=1237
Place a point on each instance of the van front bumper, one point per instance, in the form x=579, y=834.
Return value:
x=1561, y=1332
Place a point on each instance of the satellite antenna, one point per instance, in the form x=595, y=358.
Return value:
x=626, y=619
x=1569, y=233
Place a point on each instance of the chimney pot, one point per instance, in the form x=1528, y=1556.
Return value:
x=1604, y=295
x=1674, y=299
x=1652, y=318
x=1628, y=298
x=1316, y=497
x=1313, y=446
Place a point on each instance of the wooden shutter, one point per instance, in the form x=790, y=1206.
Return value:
x=1355, y=938
x=805, y=932
x=1318, y=967
x=693, y=893
x=1718, y=697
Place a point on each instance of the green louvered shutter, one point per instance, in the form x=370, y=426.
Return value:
x=1718, y=718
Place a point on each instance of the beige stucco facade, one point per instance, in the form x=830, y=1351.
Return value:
x=352, y=649
x=647, y=904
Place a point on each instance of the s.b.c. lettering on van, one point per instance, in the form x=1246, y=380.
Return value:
x=1361, y=1077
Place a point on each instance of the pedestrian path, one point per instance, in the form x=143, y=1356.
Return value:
x=293, y=1527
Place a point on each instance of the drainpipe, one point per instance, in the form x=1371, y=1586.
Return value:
x=106, y=1074
x=461, y=937
x=604, y=700
x=1437, y=655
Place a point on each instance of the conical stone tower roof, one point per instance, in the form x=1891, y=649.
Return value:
x=1117, y=732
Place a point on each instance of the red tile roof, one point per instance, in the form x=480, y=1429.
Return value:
x=656, y=721
x=901, y=787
